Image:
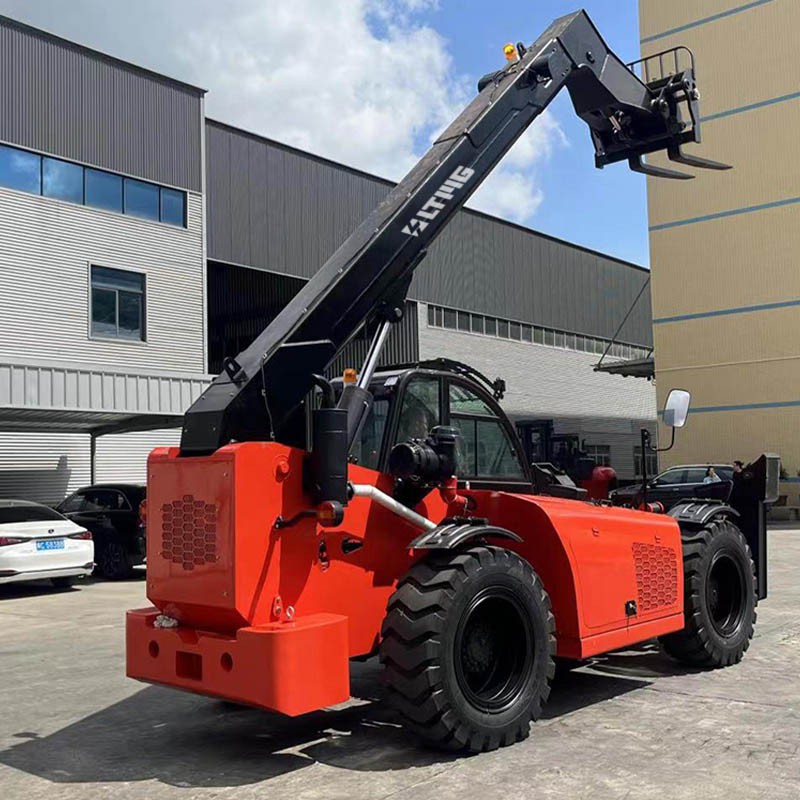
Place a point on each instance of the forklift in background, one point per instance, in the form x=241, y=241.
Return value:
x=562, y=455
x=273, y=559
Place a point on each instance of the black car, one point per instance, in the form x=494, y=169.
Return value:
x=678, y=483
x=111, y=511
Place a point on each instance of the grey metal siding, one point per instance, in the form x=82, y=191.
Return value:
x=123, y=457
x=29, y=385
x=59, y=98
x=46, y=248
x=402, y=345
x=553, y=383
x=275, y=208
x=46, y=467
x=42, y=467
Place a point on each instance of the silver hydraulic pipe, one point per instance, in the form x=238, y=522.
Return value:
x=383, y=499
x=368, y=370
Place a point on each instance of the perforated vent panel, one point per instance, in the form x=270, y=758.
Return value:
x=656, y=576
x=189, y=532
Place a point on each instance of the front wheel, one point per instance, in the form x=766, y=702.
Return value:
x=467, y=648
x=719, y=597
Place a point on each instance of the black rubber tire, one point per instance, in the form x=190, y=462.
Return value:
x=437, y=616
x=62, y=583
x=112, y=559
x=720, y=597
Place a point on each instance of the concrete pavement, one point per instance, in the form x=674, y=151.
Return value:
x=633, y=725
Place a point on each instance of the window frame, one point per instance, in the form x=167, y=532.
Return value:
x=591, y=452
x=90, y=287
x=682, y=470
x=122, y=178
x=497, y=415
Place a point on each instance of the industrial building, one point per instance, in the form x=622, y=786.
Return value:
x=140, y=243
x=726, y=288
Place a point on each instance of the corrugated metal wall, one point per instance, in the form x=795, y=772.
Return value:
x=42, y=467
x=555, y=383
x=276, y=208
x=123, y=457
x=46, y=467
x=59, y=98
x=242, y=302
x=46, y=247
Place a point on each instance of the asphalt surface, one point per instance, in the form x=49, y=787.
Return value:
x=633, y=725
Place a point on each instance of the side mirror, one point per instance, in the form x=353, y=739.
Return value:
x=676, y=408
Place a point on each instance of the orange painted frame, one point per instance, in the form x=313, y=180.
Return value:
x=239, y=575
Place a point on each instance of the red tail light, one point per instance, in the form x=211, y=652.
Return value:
x=6, y=540
x=80, y=535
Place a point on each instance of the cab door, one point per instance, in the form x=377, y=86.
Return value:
x=490, y=455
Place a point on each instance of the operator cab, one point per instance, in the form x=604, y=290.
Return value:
x=409, y=401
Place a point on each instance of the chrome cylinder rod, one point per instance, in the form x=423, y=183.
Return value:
x=371, y=362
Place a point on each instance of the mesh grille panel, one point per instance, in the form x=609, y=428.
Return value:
x=656, y=576
x=189, y=532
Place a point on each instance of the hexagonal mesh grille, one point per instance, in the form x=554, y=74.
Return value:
x=189, y=532
x=656, y=576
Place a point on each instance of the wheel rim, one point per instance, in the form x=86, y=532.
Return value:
x=494, y=650
x=725, y=594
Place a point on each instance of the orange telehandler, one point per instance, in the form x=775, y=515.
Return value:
x=304, y=522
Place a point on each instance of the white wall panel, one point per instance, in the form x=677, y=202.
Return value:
x=46, y=248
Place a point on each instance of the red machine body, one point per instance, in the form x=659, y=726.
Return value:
x=270, y=615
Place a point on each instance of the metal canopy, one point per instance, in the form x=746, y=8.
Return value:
x=95, y=423
x=51, y=397
x=634, y=368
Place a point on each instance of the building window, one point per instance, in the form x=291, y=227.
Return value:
x=118, y=304
x=62, y=180
x=599, y=453
x=141, y=199
x=103, y=190
x=441, y=317
x=173, y=207
x=20, y=170
x=74, y=183
x=652, y=462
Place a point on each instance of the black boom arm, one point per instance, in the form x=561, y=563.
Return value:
x=370, y=273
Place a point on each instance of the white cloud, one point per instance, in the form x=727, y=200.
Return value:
x=513, y=191
x=319, y=76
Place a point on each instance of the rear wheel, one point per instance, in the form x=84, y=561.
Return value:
x=112, y=559
x=719, y=597
x=468, y=645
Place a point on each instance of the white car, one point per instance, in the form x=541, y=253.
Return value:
x=37, y=542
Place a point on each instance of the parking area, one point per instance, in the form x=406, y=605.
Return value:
x=633, y=724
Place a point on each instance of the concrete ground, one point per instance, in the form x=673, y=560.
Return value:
x=634, y=725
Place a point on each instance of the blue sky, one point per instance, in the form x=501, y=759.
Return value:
x=602, y=209
x=369, y=83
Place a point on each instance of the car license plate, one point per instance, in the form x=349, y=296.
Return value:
x=50, y=544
